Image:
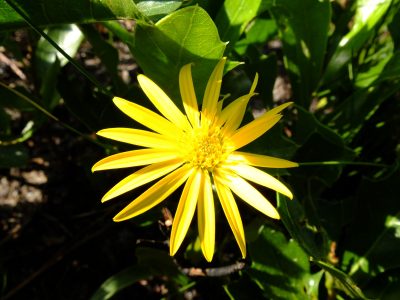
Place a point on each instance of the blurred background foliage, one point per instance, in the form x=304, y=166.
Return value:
x=61, y=62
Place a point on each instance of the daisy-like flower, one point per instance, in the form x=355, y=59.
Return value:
x=199, y=149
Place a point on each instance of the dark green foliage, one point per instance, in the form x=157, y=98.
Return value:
x=338, y=238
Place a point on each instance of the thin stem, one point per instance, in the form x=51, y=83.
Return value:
x=333, y=163
x=89, y=76
x=49, y=114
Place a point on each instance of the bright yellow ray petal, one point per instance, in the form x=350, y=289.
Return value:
x=142, y=177
x=147, y=117
x=134, y=158
x=260, y=160
x=206, y=217
x=138, y=137
x=279, y=108
x=185, y=210
x=155, y=194
x=162, y=102
x=211, y=94
x=261, y=178
x=188, y=95
x=233, y=114
x=253, y=130
x=249, y=194
x=232, y=214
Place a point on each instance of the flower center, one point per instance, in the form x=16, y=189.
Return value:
x=207, y=148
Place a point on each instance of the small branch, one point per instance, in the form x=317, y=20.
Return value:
x=214, y=272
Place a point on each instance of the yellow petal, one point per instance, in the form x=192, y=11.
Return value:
x=250, y=195
x=188, y=95
x=261, y=178
x=279, y=108
x=185, y=210
x=138, y=137
x=233, y=114
x=142, y=177
x=162, y=102
x=232, y=214
x=155, y=194
x=134, y=158
x=260, y=160
x=253, y=130
x=206, y=217
x=147, y=117
x=211, y=94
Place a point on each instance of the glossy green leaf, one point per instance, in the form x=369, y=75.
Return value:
x=158, y=8
x=185, y=36
x=48, y=60
x=360, y=106
x=257, y=33
x=369, y=14
x=233, y=18
x=49, y=12
x=303, y=27
x=280, y=267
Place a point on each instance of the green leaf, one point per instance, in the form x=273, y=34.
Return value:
x=95, y=110
x=48, y=60
x=185, y=36
x=344, y=281
x=151, y=262
x=280, y=267
x=244, y=288
x=372, y=240
x=120, y=281
x=158, y=8
x=294, y=219
x=50, y=12
x=233, y=18
x=161, y=263
x=257, y=33
x=107, y=54
x=318, y=143
x=349, y=117
x=304, y=29
x=369, y=14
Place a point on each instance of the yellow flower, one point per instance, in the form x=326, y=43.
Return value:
x=199, y=148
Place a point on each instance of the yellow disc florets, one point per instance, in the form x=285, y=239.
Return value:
x=205, y=147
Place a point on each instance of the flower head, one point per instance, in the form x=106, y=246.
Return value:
x=199, y=150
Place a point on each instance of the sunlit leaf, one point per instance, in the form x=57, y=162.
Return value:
x=303, y=27
x=368, y=16
x=280, y=267
x=48, y=12
x=48, y=60
x=233, y=17
x=185, y=36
